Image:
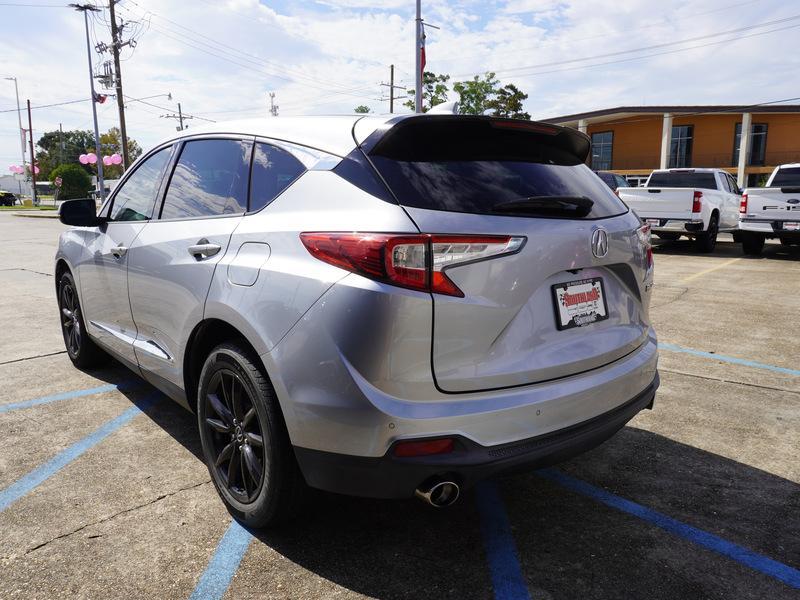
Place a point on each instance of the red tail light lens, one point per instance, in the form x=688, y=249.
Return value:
x=743, y=204
x=424, y=448
x=412, y=261
x=697, y=202
x=646, y=242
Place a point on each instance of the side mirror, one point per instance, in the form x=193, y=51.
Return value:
x=79, y=213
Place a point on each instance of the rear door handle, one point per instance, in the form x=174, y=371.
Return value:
x=204, y=249
x=119, y=251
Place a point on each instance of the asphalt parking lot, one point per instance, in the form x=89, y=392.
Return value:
x=103, y=493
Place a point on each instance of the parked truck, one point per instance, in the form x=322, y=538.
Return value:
x=772, y=211
x=697, y=203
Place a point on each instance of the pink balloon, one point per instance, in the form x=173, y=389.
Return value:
x=36, y=170
x=108, y=161
x=83, y=159
x=91, y=157
x=116, y=159
x=13, y=168
x=19, y=170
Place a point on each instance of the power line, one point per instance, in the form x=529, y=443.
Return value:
x=643, y=48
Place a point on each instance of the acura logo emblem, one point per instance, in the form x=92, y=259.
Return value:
x=599, y=243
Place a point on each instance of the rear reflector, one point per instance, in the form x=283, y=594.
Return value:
x=697, y=202
x=417, y=262
x=424, y=448
x=743, y=204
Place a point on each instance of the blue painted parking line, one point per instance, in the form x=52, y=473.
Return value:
x=39, y=475
x=63, y=396
x=501, y=552
x=728, y=359
x=758, y=562
x=223, y=565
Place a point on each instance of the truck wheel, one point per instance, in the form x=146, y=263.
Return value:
x=669, y=237
x=752, y=243
x=707, y=240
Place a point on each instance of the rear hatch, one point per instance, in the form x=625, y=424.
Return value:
x=551, y=307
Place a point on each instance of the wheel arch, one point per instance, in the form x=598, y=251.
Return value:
x=205, y=336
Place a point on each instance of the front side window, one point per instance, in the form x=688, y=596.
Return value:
x=210, y=179
x=758, y=144
x=135, y=199
x=680, y=152
x=273, y=170
x=602, y=144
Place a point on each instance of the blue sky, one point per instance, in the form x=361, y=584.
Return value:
x=220, y=58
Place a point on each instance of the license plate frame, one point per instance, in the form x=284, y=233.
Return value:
x=791, y=226
x=653, y=222
x=572, y=312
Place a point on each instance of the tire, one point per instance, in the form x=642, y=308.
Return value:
x=752, y=243
x=669, y=237
x=245, y=443
x=82, y=351
x=707, y=240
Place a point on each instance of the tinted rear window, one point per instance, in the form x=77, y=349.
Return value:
x=787, y=177
x=471, y=165
x=683, y=180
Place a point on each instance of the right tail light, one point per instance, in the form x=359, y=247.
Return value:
x=743, y=204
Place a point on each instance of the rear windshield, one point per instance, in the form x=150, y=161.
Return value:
x=471, y=166
x=683, y=180
x=789, y=177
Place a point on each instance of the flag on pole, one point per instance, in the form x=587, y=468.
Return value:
x=422, y=50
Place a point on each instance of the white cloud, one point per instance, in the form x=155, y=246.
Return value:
x=219, y=59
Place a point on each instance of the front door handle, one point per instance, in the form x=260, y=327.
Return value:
x=119, y=251
x=204, y=249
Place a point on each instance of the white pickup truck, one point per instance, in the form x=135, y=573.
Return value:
x=697, y=203
x=772, y=211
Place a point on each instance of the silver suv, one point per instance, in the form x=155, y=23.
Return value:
x=377, y=306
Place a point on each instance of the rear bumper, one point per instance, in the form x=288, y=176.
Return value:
x=769, y=228
x=675, y=225
x=390, y=477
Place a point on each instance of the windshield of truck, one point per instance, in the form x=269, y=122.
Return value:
x=683, y=179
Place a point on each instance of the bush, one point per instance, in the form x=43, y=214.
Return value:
x=75, y=182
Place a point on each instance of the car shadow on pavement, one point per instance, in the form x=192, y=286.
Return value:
x=725, y=249
x=567, y=545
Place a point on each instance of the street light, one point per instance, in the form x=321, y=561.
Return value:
x=19, y=119
x=85, y=8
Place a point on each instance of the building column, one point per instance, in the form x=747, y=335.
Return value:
x=666, y=140
x=582, y=125
x=745, y=143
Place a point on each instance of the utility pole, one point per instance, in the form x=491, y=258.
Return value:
x=392, y=87
x=180, y=116
x=116, y=44
x=33, y=158
x=19, y=119
x=273, y=108
x=418, y=59
x=85, y=8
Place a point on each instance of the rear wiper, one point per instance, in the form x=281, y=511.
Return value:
x=561, y=206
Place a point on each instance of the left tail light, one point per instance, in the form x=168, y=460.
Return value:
x=743, y=204
x=416, y=262
x=646, y=243
x=697, y=201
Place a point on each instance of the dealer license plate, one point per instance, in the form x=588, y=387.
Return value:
x=653, y=222
x=791, y=226
x=579, y=303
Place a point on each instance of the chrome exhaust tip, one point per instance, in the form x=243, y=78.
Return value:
x=438, y=494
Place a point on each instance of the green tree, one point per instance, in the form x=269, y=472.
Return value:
x=111, y=142
x=507, y=102
x=434, y=91
x=475, y=94
x=361, y=109
x=75, y=182
x=63, y=148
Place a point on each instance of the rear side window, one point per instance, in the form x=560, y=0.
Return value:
x=135, y=199
x=683, y=179
x=274, y=170
x=789, y=177
x=475, y=165
x=210, y=179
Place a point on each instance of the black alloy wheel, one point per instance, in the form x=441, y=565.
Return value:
x=82, y=351
x=246, y=445
x=237, y=442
